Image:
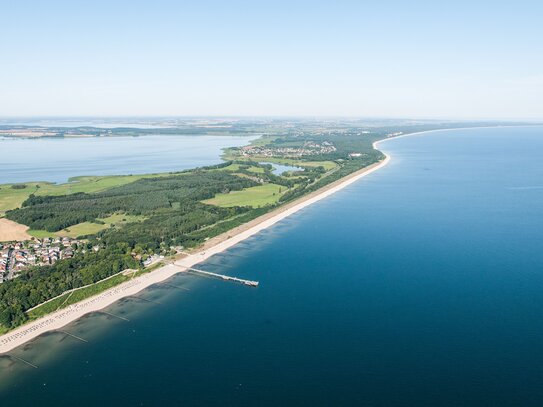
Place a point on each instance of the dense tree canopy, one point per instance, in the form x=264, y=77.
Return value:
x=173, y=194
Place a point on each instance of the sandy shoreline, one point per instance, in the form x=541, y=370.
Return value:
x=218, y=244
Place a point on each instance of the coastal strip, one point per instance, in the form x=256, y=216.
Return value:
x=218, y=244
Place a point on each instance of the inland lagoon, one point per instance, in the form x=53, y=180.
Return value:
x=56, y=159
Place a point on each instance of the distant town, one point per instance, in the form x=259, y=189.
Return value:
x=18, y=256
x=307, y=149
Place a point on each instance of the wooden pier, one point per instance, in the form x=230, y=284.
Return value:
x=222, y=277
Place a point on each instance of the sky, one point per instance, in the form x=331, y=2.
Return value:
x=411, y=59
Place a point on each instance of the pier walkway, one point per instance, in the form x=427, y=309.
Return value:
x=222, y=276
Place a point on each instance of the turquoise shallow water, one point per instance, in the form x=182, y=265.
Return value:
x=421, y=284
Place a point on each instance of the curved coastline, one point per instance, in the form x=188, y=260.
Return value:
x=218, y=244
x=58, y=319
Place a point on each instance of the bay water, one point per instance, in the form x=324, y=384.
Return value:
x=57, y=159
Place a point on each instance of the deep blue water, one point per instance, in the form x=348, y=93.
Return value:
x=420, y=285
x=58, y=159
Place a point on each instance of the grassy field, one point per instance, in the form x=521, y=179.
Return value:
x=96, y=288
x=88, y=228
x=45, y=309
x=81, y=229
x=263, y=140
x=235, y=167
x=13, y=198
x=258, y=196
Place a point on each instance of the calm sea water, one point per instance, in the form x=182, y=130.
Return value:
x=420, y=285
x=279, y=169
x=58, y=159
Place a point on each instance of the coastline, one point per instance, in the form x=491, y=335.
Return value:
x=218, y=244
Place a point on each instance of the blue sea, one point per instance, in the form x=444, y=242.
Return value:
x=419, y=285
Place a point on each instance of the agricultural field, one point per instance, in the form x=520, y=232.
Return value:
x=256, y=197
x=10, y=230
x=13, y=195
x=89, y=228
x=236, y=167
x=11, y=198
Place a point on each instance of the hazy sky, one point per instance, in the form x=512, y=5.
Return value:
x=457, y=59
